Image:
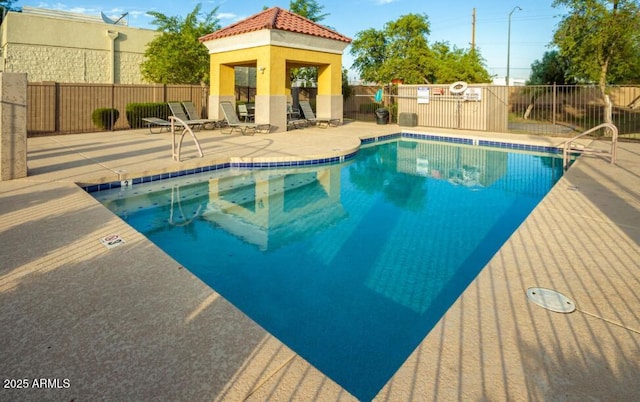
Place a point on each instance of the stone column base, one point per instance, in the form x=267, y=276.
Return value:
x=272, y=109
x=329, y=107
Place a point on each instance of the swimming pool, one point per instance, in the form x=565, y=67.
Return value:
x=349, y=264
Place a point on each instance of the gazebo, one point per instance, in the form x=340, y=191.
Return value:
x=274, y=42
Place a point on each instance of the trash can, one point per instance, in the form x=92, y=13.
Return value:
x=382, y=116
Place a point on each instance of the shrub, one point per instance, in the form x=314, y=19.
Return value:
x=137, y=111
x=393, y=112
x=105, y=118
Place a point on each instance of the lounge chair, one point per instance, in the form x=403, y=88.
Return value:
x=293, y=118
x=178, y=111
x=243, y=112
x=234, y=122
x=193, y=114
x=312, y=119
x=156, y=122
x=292, y=113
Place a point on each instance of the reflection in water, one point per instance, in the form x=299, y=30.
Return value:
x=270, y=208
x=177, y=212
x=266, y=208
x=460, y=165
x=377, y=171
x=349, y=265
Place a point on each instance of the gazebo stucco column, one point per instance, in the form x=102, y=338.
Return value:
x=222, y=81
x=329, y=102
x=271, y=92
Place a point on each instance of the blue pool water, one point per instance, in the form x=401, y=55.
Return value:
x=350, y=265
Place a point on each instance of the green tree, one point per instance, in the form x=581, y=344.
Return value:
x=7, y=5
x=369, y=48
x=600, y=39
x=177, y=56
x=347, y=90
x=309, y=9
x=552, y=69
x=455, y=64
x=401, y=50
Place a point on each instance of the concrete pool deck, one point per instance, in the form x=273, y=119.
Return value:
x=130, y=323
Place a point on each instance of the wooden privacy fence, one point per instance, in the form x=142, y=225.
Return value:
x=56, y=108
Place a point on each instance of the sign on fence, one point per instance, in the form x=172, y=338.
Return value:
x=473, y=94
x=423, y=94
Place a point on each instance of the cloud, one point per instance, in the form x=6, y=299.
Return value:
x=226, y=16
x=55, y=6
x=79, y=10
x=382, y=2
x=64, y=7
x=137, y=13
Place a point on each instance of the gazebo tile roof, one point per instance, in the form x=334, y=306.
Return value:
x=276, y=18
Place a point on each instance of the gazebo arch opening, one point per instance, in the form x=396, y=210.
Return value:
x=245, y=82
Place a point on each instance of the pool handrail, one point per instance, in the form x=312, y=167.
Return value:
x=176, y=125
x=568, y=148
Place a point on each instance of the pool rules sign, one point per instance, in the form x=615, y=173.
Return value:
x=424, y=93
x=473, y=94
x=111, y=241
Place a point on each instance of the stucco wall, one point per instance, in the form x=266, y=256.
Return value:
x=71, y=51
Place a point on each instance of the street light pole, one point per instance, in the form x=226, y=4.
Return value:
x=509, y=41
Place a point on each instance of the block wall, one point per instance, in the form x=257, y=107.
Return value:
x=45, y=63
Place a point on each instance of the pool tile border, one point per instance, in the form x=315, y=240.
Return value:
x=322, y=161
x=484, y=143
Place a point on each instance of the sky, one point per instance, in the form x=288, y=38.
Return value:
x=532, y=25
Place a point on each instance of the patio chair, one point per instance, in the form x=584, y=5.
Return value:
x=244, y=113
x=293, y=118
x=193, y=115
x=312, y=119
x=178, y=111
x=234, y=122
x=292, y=113
x=156, y=122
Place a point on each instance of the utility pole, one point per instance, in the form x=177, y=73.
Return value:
x=473, y=30
x=509, y=42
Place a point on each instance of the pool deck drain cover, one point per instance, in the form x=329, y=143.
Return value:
x=551, y=300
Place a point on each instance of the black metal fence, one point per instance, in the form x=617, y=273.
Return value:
x=569, y=109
